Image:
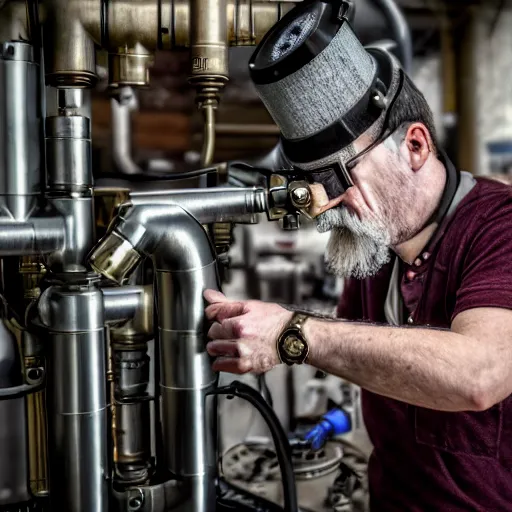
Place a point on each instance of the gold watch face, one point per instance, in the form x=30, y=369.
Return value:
x=293, y=346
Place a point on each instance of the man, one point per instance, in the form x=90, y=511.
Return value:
x=427, y=326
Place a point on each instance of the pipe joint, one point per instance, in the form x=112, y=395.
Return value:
x=129, y=311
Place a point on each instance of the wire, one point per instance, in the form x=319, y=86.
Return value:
x=158, y=177
x=282, y=446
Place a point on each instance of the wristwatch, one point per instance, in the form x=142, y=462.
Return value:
x=292, y=346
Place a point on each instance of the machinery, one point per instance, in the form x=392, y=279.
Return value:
x=89, y=325
x=102, y=286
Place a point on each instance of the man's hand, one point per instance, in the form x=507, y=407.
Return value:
x=244, y=333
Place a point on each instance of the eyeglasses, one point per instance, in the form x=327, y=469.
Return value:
x=336, y=178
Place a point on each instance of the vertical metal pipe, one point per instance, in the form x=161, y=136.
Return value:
x=19, y=129
x=188, y=417
x=121, y=107
x=77, y=402
x=69, y=164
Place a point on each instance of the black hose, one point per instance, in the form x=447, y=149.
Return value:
x=282, y=446
x=401, y=31
x=21, y=391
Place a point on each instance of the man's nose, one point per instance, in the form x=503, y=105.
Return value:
x=320, y=202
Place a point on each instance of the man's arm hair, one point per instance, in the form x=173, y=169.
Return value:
x=465, y=368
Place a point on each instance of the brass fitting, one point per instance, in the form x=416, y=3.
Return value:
x=130, y=67
x=123, y=27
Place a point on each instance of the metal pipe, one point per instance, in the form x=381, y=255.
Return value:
x=208, y=151
x=122, y=303
x=37, y=235
x=72, y=318
x=19, y=130
x=69, y=165
x=401, y=31
x=203, y=204
x=185, y=263
x=121, y=107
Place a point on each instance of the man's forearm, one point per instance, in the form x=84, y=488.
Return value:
x=426, y=367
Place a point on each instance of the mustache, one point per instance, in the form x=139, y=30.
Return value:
x=356, y=248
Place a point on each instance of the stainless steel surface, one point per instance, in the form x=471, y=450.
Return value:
x=68, y=102
x=122, y=106
x=37, y=235
x=207, y=205
x=69, y=153
x=19, y=129
x=188, y=418
x=77, y=405
x=123, y=303
x=78, y=213
x=13, y=426
x=58, y=226
x=185, y=265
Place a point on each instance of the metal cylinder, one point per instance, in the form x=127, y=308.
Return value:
x=186, y=378
x=69, y=50
x=123, y=303
x=247, y=20
x=69, y=153
x=209, y=38
x=19, y=129
x=130, y=67
x=133, y=429
x=121, y=108
x=77, y=403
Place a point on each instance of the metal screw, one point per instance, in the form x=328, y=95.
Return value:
x=300, y=196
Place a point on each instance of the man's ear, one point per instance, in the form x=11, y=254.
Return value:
x=419, y=144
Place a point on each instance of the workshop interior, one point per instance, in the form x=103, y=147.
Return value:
x=139, y=167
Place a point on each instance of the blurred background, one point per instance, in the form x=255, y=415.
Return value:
x=459, y=54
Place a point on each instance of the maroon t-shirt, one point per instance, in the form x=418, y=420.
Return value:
x=427, y=460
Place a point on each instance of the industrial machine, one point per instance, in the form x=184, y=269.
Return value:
x=102, y=286
x=83, y=427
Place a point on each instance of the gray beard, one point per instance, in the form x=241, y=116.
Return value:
x=356, y=248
